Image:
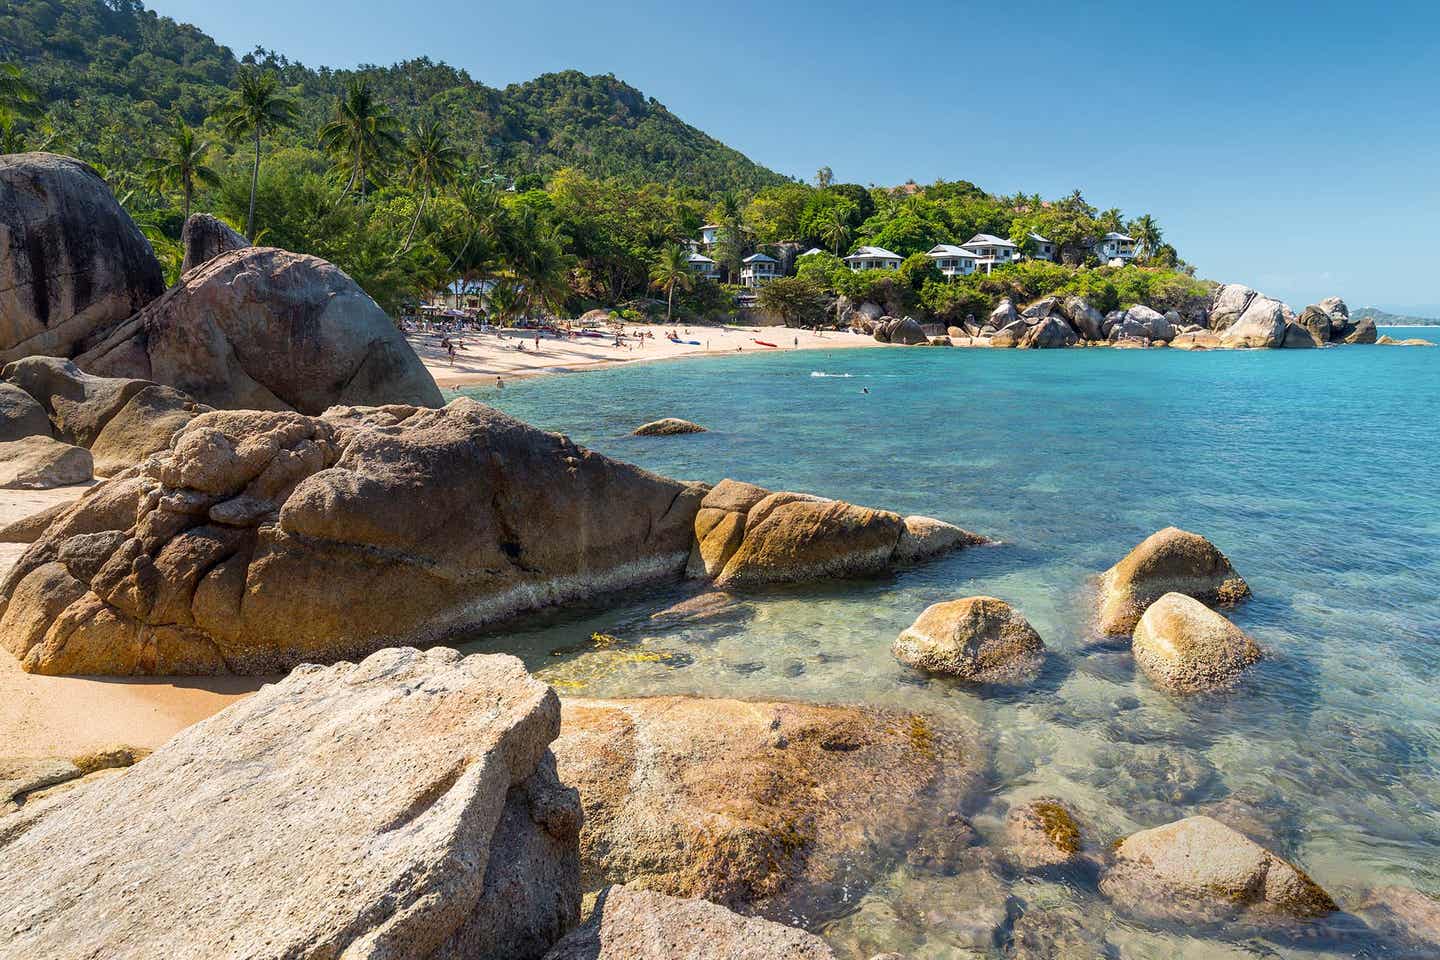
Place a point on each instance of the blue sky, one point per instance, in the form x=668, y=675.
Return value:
x=1291, y=146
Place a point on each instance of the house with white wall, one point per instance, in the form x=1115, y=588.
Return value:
x=703, y=266
x=1044, y=249
x=873, y=258
x=951, y=260
x=758, y=269
x=709, y=235
x=1116, y=249
x=991, y=251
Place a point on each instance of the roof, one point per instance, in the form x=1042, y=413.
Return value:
x=710, y=226
x=1117, y=236
x=699, y=258
x=874, y=253
x=810, y=251
x=759, y=258
x=1039, y=239
x=987, y=240
x=949, y=250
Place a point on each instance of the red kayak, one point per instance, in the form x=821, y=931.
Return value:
x=765, y=343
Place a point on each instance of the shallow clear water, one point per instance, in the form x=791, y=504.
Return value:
x=1317, y=472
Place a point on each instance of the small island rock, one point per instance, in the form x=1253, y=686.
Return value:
x=1168, y=560
x=980, y=639
x=667, y=427
x=1183, y=645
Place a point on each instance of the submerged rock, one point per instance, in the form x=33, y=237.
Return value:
x=667, y=427
x=1169, y=560
x=41, y=462
x=1407, y=915
x=403, y=807
x=205, y=237
x=1198, y=867
x=1042, y=833
x=785, y=810
x=1183, y=645
x=634, y=924
x=72, y=262
x=215, y=337
x=980, y=639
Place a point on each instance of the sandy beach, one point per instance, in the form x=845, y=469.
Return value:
x=480, y=358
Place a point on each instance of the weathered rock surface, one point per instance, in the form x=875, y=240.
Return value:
x=263, y=540
x=72, y=262
x=145, y=425
x=40, y=462
x=1003, y=314
x=1202, y=868
x=205, y=237
x=635, y=924
x=27, y=779
x=1407, y=915
x=1261, y=324
x=1316, y=319
x=905, y=331
x=1168, y=560
x=1360, y=331
x=667, y=427
x=1041, y=308
x=785, y=810
x=1156, y=325
x=980, y=639
x=265, y=329
x=1196, y=340
x=1042, y=833
x=1183, y=645
x=746, y=535
x=1228, y=303
x=20, y=415
x=1335, y=307
x=404, y=807
x=1050, y=333
x=1298, y=336
x=1086, y=320
x=77, y=404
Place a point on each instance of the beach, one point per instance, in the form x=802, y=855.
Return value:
x=481, y=357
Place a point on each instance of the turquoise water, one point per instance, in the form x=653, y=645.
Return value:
x=1317, y=472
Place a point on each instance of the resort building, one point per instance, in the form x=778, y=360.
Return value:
x=812, y=250
x=991, y=251
x=951, y=260
x=758, y=269
x=873, y=258
x=1044, y=249
x=1116, y=249
x=709, y=235
x=703, y=266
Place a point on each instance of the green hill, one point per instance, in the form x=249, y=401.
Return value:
x=112, y=73
x=1384, y=318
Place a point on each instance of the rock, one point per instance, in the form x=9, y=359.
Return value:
x=1196, y=340
x=1086, y=320
x=22, y=775
x=72, y=262
x=1390, y=341
x=1335, y=308
x=1152, y=322
x=1050, y=333
x=746, y=535
x=41, y=462
x=1042, y=833
x=1003, y=314
x=905, y=331
x=635, y=924
x=205, y=237
x=1228, y=303
x=1169, y=560
x=30, y=528
x=667, y=427
x=1298, y=337
x=143, y=426
x=1183, y=645
x=20, y=415
x=215, y=337
x=77, y=404
x=979, y=639
x=956, y=333
x=1011, y=335
x=1200, y=867
x=1405, y=914
x=784, y=810
x=1261, y=324
x=404, y=807
x=1059, y=934
x=1112, y=319
x=1041, y=308
x=1316, y=319
x=940, y=342
x=262, y=540
x=1361, y=331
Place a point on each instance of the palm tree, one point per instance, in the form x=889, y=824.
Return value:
x=504, y=300
x=836, y=229
x=823, y=176
x=361, y=132
x=181, y=163
x=670, y=271
x=1147, y=234
x=431, y=164
x=544, y=269
x=732, y=232
x=256, y=105
x=18, y=101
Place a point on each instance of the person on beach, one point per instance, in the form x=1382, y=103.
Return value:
x=450, y=348
x=499, y=384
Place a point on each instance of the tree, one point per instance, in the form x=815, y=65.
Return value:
x=431, y=164
x=797, y=301
x=836, y=228
x=181, y=164
x=1147, y=234
x=670, y=271
x=18, y=101
x=730, y=215
x=256, y=106
x=361, y=132
x=823, y=176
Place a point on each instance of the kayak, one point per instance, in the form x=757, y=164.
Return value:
x=766, y=343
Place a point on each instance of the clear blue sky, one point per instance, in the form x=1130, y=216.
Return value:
x=1291, y=146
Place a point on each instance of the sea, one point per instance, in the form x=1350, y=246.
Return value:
x=1317, y=472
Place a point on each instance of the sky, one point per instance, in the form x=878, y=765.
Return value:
x=1293, y=147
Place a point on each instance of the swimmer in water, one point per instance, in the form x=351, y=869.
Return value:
x=864, y=389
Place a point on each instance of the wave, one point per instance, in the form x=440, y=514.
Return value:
x=822, y=373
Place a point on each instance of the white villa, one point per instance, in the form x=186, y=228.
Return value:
x=1116, y=249
x=704, y=266
x=758, y=269
x=709, y=235
x=873, y=258
x=1044, y=249
x=991, y=251
x=952, y=261
x=812, y=250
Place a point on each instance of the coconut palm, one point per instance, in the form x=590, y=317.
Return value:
x=1147, y=234
x=836, y=228
x=544, y=270
x=504, y=301
x=181, y=165
x=431, y=164
x=731, y=218
x=256, y=106
x=360, y=134
x=670, y=271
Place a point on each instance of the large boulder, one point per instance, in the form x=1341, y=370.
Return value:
x=1298, y=336
x=143, y=426
x=72, y=262
x=1316, y=319
x=667, y=427
x=40, y=462
x=266, y=329
x=905, y=331
x=77, y=404
x=1200, y=868
x=1196, y=340
x=979, y=639
x=403, y=807
x=1050, y=333
x=1359, y=331
x=1183, y=645
x=1170, y=560
x=1003, y=314
x=1086, y=320
x=205, y=237
x=1335, y=307
x=1228, y=303
x=1041, y=308
x=746, y=535
x=1155, y=324
x=20, y=414
x=785, y=810
x=1010, y=335
x=1261, y=324
x=261, y=540
x=634, y=924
